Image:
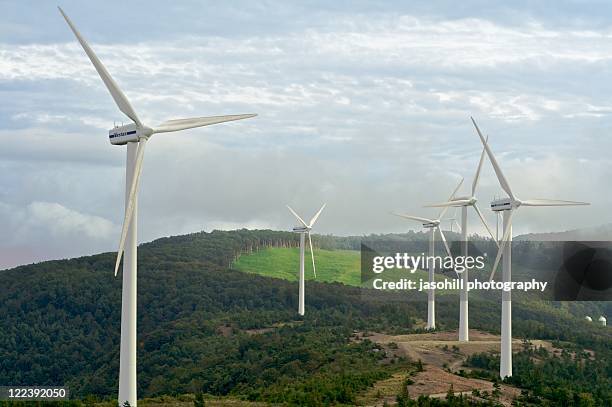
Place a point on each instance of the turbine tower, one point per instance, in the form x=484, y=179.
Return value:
x=135, y=135
x=304, y=229
x=509, y=206
x=433, y=225
x=464, y=203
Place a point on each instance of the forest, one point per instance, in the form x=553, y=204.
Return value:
x=574, y=377
x=205, y=328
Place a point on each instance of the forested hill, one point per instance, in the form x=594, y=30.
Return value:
x=60, y=324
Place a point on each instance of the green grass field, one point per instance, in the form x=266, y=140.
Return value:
x=341, y=266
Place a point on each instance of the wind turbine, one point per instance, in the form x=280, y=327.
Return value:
x=304, y=229
x=464, y=203
x=452, y=222
x=135, y=135
x=509, y=206
x=432, y=225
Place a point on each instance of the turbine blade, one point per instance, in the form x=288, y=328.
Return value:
x=131, y=203
x=551, y=202
x=444, y=241
x=445, y=245
x=457, y=225
x=312, y=255
x=120, y=99
x=443, y=212
x=484, y=222
x=182, y=124
x=297, y=216
x=477, y=175
x=500, y=175
x=456, y=202
x=417, y=218
x=314, y=218
x=502, y=245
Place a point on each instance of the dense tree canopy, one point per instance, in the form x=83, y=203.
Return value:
x=60, y=324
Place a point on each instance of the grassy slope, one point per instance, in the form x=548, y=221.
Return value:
x=342, y=266
x=332, y=265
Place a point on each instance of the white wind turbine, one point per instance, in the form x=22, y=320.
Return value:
x=433, y=225
x=509, y=206
x=303, y=230
x=135, y=135
x=452, y=222
x=464, y=203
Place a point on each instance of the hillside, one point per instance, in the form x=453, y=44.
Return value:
x=342, y=266
x=205, y=327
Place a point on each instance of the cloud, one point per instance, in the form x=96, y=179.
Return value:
x=61, y=221
x=353, y=62
x=40, y=229
x=367, y=110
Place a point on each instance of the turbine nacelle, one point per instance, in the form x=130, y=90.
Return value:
x=120, y=135
x=504, y=204
x=301, y=229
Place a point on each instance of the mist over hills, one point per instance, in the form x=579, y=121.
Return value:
x=593, y=233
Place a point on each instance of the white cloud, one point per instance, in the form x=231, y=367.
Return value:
x=270, y=70
x=44, y=230
x=366, y=112
x=61, y=222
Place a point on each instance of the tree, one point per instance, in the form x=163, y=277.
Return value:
x=199, y=400
x=450, y=394
x=496, y=389
x=403, y=399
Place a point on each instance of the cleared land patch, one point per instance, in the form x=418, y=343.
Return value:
x=442, y=356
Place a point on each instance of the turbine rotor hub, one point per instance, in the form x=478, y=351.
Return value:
x=146, y=132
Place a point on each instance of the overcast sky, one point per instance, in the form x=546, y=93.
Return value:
x=361, y=105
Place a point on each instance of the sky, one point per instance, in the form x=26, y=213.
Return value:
x=362, y=105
